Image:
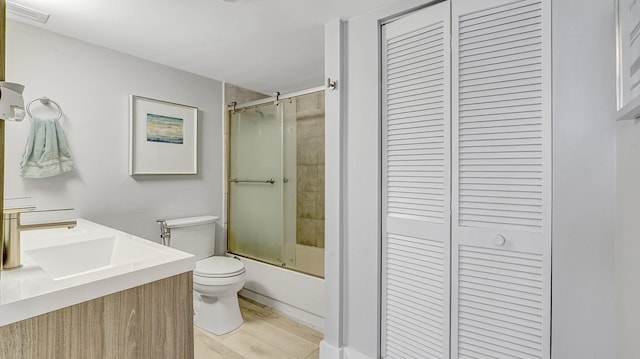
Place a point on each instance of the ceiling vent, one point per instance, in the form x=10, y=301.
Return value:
x=27, y=12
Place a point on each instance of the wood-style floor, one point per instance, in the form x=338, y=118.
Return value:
x=264, y=334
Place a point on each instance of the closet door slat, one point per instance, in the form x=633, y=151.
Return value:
x=501, y=188
x=416, y=185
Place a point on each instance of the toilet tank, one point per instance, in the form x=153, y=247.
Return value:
x=195, y=235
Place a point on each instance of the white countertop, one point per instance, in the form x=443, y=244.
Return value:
x=29, y=291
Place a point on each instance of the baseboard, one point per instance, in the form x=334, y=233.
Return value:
x=350, y=353
x=301, y=316
x=328, y=351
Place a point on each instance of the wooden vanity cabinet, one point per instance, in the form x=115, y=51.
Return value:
x=154, y=320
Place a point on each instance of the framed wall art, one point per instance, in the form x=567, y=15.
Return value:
x=628, y=58
x=163, y=137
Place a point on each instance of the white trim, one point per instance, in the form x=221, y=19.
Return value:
x=351, y=353
x=335, y=34
x=328, y=351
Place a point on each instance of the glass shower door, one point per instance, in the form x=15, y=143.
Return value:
x=276, y=183
x=256, y=184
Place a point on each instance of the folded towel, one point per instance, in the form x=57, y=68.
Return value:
x=46, y=153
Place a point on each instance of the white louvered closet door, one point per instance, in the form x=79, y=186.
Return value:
x=501, y=215
x=416, y=167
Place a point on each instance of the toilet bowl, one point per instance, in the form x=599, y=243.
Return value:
x=216, y=279
x=216, y=282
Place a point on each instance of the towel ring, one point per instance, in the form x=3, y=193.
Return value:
x=44, y=101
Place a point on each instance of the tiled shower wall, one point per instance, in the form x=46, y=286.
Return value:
x=310, y=170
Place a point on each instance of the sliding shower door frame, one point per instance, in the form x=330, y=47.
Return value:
x=287, y=258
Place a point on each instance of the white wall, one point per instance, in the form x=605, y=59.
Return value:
x=583, y=324
x=627, y=248
x=583, y=314
x=627, y=241
x=92, y=85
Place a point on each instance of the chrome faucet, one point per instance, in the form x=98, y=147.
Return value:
x=165, y=232
x=12, y=230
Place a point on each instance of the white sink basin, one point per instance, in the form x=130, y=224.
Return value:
x=69, y=260
x=63, y=267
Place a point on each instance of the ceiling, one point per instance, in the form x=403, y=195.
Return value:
x=263, y=45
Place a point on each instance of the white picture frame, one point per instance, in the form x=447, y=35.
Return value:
x=628, y=59
x=163, y=137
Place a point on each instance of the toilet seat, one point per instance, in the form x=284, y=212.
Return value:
x=218, y=267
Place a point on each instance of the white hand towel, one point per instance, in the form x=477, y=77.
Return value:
x=47, y=153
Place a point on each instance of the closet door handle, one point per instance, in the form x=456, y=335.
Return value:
x=499, y=240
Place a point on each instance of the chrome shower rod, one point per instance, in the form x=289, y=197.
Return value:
x=277, y=98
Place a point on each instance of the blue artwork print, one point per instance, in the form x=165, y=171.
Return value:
x=165, y=129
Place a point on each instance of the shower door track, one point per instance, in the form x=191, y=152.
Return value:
x=276, y=98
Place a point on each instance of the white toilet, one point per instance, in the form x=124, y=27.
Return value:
x=216, y=279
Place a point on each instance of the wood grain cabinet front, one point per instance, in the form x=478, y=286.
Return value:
x=154, y=320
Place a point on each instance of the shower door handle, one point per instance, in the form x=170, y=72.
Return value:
x=236, y=180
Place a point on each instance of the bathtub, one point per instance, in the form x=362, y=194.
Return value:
x=296, y=295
